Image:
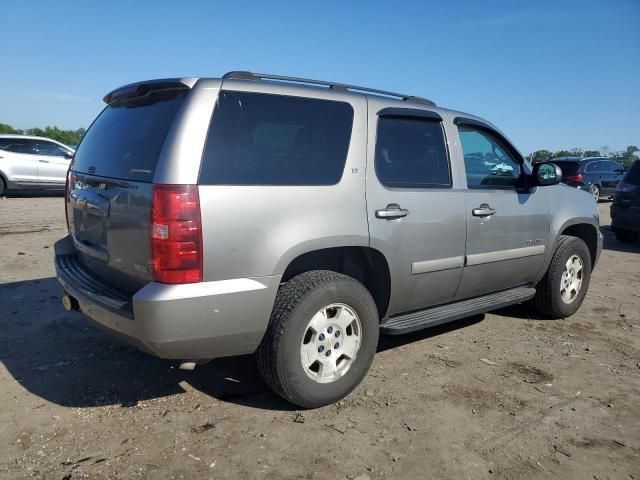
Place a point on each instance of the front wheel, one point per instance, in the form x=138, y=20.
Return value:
x=564, y=286
x=321, y=338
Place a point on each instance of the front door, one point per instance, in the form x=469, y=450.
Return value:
x=52, y=163
x=507, y=227
x=416, y=210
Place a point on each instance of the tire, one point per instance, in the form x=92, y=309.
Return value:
x=626, y=236
x=595, y=191
x=280, y=355
x=548, y=299
x=3, y=187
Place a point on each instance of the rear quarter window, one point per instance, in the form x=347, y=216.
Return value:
x=126, y=139
x=264, y=139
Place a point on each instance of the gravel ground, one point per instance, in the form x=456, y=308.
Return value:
x=506, y=396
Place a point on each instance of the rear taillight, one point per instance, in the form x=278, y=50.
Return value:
x=176, y=234
x=575, y=178
x=69, y=185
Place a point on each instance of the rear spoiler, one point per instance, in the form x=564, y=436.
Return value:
x=141, y=89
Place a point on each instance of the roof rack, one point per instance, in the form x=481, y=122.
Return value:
x=241, y=75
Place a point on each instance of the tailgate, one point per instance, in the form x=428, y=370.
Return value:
x=109, y=225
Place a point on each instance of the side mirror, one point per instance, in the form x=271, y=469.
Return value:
x=546, y=173
x=69, y=156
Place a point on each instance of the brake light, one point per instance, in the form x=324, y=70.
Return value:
x=575, y=178
x=176, y=234
x=69, y=185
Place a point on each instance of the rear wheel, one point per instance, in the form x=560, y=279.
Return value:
x=321, y=338
x=626, y=236
x=564, y=286
x=595, y=191
x=3, y=187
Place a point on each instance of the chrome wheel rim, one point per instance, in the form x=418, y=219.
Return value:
x=595, y=191
x=330, y=343
x=571, y=279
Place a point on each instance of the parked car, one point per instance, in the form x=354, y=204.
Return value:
x=28, y=162
x=625, y=209
x=298, y=219
x=598, y=175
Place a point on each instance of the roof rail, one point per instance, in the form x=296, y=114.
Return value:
x=241, y=75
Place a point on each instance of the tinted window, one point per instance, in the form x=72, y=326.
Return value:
x=18, y=145
x=411, y=153
x=487, y=162
x=633, y=175
x=568, y=168
x=52, y=149
x=612, y=166
x=126, y=139
x=593, y=167
x=260, y=139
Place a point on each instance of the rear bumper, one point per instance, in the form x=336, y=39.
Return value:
x=188, y=321
x=626, y=218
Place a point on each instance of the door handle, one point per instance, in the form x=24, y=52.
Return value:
x=43, y=161
x=393, y=210
x=484, y=210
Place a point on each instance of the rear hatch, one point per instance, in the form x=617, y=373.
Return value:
x=570, y=173
x=109, y=187
x=628, y=191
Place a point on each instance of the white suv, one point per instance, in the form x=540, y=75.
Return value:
x=32, y=162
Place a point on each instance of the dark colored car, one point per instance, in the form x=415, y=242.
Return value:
x=625, y=209
x=598, y=175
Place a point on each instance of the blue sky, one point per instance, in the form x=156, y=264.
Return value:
x=551, y=74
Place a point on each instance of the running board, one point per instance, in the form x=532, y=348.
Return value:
x=433, y=316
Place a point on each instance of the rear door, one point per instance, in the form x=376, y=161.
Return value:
x=19, y=164
x=507, y=226
x=415, y=207
x=53, y=162
x=110, y=189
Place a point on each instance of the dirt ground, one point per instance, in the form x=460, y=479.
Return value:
x=506, y=396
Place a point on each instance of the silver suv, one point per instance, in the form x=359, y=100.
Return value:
x=298, y=219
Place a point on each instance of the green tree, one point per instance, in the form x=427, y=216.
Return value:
x=541, y=156
x=592, y=153
x=627, y=156
x=5, y=128
x=563, y=153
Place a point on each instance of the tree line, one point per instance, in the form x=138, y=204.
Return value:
x=68, y=137
x=626, y=156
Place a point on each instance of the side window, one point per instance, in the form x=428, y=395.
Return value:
x=612, y=166
x=18, y=145
x=51, y=149
x=411, y=153
x=487, y=162
x=263, y=139
x=592, y=167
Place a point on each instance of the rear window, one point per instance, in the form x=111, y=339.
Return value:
x=126, y=139
x=568, y=168
x=262, y=139
x=633, y=175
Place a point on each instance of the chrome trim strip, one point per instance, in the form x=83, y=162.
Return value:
x=436, y=265
x=500, y=255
